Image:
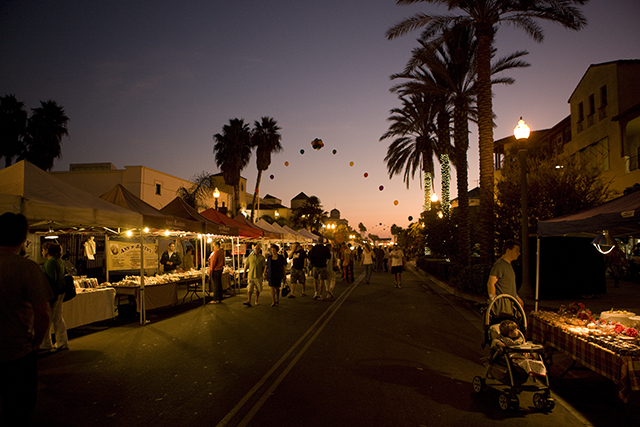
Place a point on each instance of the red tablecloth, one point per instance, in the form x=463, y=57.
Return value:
x=622, y=370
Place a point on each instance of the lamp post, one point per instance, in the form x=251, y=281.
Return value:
x=216, y=196
x=521, y=132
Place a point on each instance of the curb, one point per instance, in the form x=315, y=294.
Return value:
x=411, y=265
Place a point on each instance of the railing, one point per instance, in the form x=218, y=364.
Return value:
x=602, y=112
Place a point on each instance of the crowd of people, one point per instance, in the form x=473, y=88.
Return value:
x=325, y=263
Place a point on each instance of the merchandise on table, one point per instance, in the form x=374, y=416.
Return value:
x=157, y=280
x=605, y=331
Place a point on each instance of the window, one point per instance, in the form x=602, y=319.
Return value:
x=159, y=189
x=580, y=117
x=592, y=110
x=597, y=154
x=603, y=96
x=602, y=111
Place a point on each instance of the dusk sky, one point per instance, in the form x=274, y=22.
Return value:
x=150, y=82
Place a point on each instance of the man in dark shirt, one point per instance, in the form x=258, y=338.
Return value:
x=170, y=259
x=318, y=256
x=24, y=309
x=298, y=265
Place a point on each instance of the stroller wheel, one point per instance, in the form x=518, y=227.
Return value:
x=539, y=401
x=551, y=404
x=515, y=403
x=504, y=401
x=478, y=384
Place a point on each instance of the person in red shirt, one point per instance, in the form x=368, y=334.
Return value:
x=215, y=272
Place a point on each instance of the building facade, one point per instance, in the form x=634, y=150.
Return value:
x=603, y=127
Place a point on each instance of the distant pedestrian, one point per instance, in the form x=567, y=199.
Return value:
x=617, y=261
x=385, y=260
x=378, y=253
x=215, y=272
x=274, y=272
x=24, y=307
x=318, y=257
x=396, y=256
x=347, y=263
x=367, y=261
x=298, y=267
x=331, y=272
x=188, y=260
x=254, y=269
x=55, y=271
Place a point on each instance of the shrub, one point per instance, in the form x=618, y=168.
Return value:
x=471, y=279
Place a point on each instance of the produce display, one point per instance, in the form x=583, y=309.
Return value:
x=157, y=280
x=611, y=330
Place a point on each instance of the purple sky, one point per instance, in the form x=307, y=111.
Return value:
x=150, y=82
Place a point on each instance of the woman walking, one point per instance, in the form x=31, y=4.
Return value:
x=367, y=261
x=274, y=273
x=55, y=271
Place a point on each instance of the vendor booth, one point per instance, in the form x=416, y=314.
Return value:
x=54, y=208
x=607, y=342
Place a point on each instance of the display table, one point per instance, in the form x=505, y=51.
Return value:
x=89, y=306
x=624, y=371
x=156, y=296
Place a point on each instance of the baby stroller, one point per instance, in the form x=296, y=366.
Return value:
x=504, y=366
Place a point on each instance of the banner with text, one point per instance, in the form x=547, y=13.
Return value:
x=126, y=255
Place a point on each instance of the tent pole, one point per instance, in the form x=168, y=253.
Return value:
x=535, y=306
x=143, y=313
x=107, y=256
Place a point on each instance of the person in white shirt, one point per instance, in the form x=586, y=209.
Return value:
x=396, y=256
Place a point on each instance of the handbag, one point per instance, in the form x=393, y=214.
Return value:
x=69, y=288
x=285, y=290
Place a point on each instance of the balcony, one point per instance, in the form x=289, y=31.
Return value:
x=602, y=112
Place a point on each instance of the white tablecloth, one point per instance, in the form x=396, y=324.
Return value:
x=89, y=307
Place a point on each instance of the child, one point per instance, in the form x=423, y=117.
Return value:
x=511, y=336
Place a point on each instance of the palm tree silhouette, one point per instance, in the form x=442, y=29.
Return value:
x=232, y=152
x=45, y=129
x=13, y=123
x=415, y=143
x=266, y=138
x=485, y=16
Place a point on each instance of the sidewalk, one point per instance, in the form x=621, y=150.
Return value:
x=625, y=297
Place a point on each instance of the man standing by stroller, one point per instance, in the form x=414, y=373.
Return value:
x=502, y=278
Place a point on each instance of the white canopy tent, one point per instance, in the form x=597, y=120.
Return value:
x=308, y=234
x=48, y=202
x=297, y=236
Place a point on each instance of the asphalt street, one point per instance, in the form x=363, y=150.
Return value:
x=374, y=355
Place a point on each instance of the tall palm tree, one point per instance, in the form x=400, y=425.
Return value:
x=45, y=129
x=232, y=150
x=445, y=68
x=266, y=138
x=415, y=144
x=485, y=16
x=13, y=124
x=198, y=192
x=309, y=215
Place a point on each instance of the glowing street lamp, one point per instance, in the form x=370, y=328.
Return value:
x=522, y=132
x=216, y=196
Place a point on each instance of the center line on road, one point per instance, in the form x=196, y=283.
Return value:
x=315, y=329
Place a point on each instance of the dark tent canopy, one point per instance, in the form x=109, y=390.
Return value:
x=180, y=208
x=244, y=230
x=151, y=217
x=621, y=217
